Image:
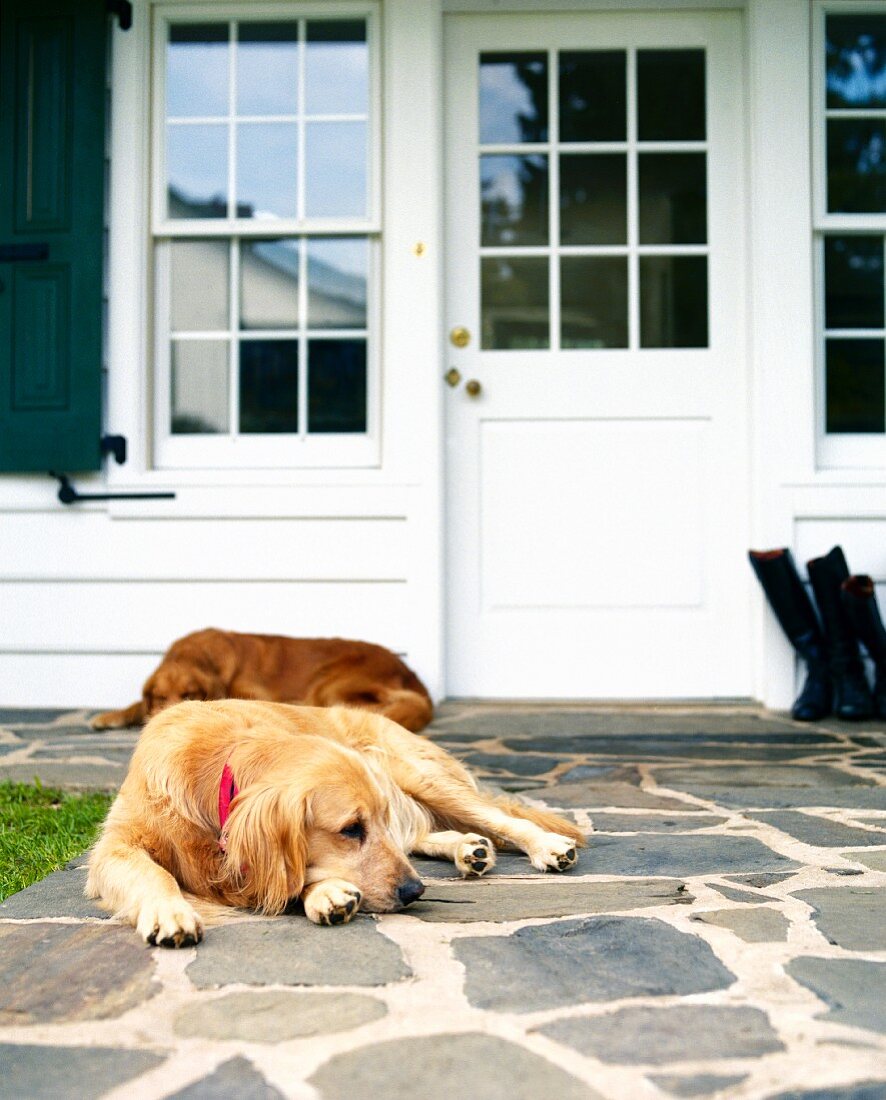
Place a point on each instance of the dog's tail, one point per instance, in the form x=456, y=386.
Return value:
x=545, y=819
x=119, y=719
x=407, y=708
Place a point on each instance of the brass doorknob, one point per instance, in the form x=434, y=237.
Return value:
x=473, y=388
x=459, y=337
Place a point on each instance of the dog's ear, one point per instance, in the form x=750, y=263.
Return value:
x=266, y=848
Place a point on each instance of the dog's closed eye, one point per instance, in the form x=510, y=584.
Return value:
x=355, y=831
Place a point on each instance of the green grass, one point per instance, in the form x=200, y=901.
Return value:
x=41, y=829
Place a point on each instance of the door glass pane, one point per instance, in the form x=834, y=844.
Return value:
x=199, y=386
x=268, y=386
x=269, y=284
x=593, y=96
x=671, y=95
x=336, y=68
x=856, y=165
x=593, y=198
x=853, y=277
x=514, y=200
x=673, y=198
x=197, y=71
x=514, y=303
x=198, y=288
x=338, y=271
x=336, y=386
x=855, y=53
x=854, y=385
x=266, y=170
x=267, y=68
x=594, y=301
x=513, y=97
x=673, y=301
x=197, y=171
x=335, y=169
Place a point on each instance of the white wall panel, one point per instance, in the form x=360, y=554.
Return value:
x=69, y=680
x=863, y=542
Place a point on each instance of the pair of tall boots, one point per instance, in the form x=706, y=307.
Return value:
x=835, y=681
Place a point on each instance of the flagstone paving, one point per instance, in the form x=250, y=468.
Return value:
x=724, y=935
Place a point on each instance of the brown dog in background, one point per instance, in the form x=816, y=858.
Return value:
x=317, y=672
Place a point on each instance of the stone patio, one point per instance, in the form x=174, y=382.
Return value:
x=723, y=935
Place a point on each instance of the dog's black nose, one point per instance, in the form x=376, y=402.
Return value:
x=409, y=890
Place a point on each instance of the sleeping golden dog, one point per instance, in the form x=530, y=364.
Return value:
x=318, y=672
x=256, y=804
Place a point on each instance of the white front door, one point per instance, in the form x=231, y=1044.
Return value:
x=597, y=449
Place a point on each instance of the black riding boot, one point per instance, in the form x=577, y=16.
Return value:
x=860, y=601
x=852, y=695
x=789, y=600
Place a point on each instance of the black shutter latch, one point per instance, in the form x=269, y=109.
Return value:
x=123, y=10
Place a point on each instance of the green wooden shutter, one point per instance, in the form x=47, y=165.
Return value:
x=52, y=130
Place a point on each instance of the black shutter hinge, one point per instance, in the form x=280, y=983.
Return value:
x=123, y=10
x=114, y=445
x=68, y=494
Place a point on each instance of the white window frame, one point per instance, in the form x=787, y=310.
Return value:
x=855, y=450
x=256, y=451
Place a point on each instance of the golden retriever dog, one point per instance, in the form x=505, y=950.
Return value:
x=316, y=672
x=257, y=804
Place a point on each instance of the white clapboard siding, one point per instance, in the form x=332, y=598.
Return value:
x=70, y=680
x=863, y=542
x=86, y=546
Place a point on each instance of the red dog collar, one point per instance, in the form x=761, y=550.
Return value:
x=227, y=792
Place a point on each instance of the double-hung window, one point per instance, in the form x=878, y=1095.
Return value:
x=265, y=236
x=849, y=113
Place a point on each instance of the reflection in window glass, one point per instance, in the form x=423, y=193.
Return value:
x=267, y=166
x=199, y=387
x=514, y=303
x=197, y=71
x=593, y=96
x=513, y=97
x=336, y=386
x=269, y=284
x=336, y=68
x=267, y=68
x=593, y=198
x=854, y=386
x=338, y=270
x=198, y=290
x=594, y=301
x=855, y=60
x=514, y=200
x=673, y=301
x=853, y=277
x=197, y=170
x=673, y=198
x=268, y=386
x=856, y=165
x=335, y=169
x=671, y=95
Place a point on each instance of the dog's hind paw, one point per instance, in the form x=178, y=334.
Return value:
x=169, y=924
x=553, y=853
x=474, y=855
x=332, y=901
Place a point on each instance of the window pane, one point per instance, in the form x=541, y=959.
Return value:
x=267, y=68
x=853, y=276
x=593, y=198
x=673, y=301
x=268, y=386
x=338, y=270
x=197, y=71
x=335, y=175
x=594, y=296
x=267, y=164
x=336, y=68
x=268, y=284
x=199, y=386
x=857, y=166
x=671, y=95
x=198, y=289
x=854, y=386
x=673, y=198
x=336, y=386
x=514, y=200
x=593, y=97
x=513, y=97
x=514, y=303
x=855, y=53
x=197, y=170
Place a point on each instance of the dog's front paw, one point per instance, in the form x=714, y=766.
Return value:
x=474, y=855
x=553, y=852
x=169, y=924
x=333, y=901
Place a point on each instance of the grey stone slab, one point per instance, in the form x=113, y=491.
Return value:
x=753, y=925
x=58, y=895
x=653, y=823
x=762, y=880
x=595, y=959
x=506, y=863
x=657, y=1036
x=551, y=722
x=739, y=895
x=60, y=973
x=591, y=794
x=729, y=776
x=32, y=1072
x=701, y=1085
x=490, y=900
x=588, y=771
x=516, y=763
x=786, y=797
x=292, y=951
x=680, y=856
x=6, y=749
x=853, y=917
x=650, y=750
x=236, y=1077
x=854, y=989
x=117, y=757
x=875, y=860
x=440, y=1067
x=13, y=716
x=98, y=777
x=857, y=1090
x=820, y=832
x=274, y=1017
